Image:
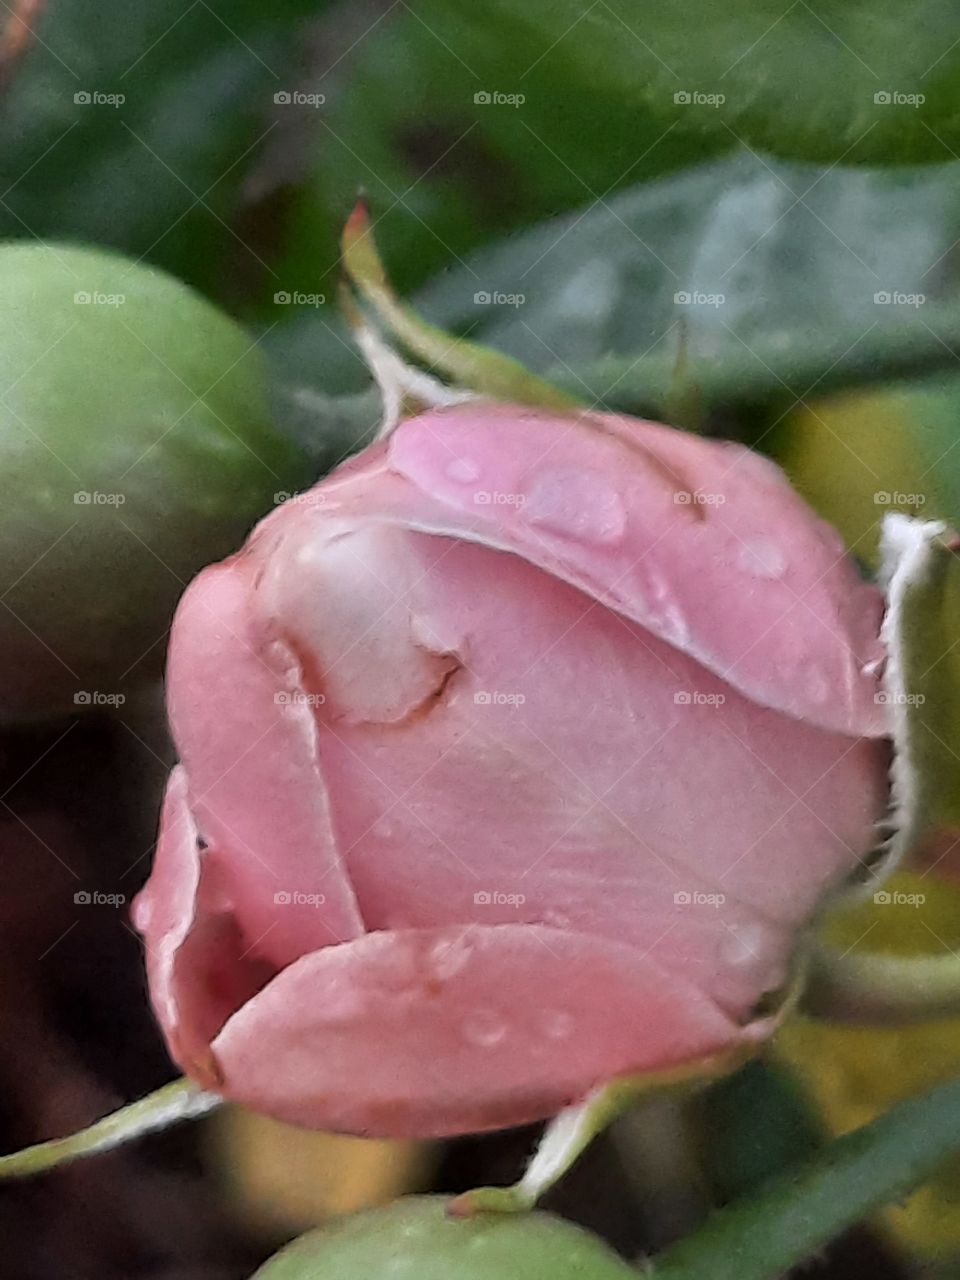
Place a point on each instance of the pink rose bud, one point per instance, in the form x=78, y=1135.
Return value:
x=514, y=757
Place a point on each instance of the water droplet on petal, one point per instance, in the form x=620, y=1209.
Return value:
x=743, y=946
x=449, y=956
x=581, y=505
x=463, y=470
x=762, y=558
x=556, y=1024
x=382, y=829
x=665, y=614
x=485, y=1028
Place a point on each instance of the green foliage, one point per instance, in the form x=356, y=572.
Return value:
x=158, y=174
x=797, y=81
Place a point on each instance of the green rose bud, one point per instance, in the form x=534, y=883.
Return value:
x=414, y=1239
x=135, y=446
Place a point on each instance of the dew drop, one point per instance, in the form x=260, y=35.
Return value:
x=743, y=946
x=485, y=1028
x=580, y=505
x=762, y=558
x=557, y=1024
x=463, y=470
x=449, y=956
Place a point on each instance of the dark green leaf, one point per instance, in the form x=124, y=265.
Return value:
x=858, y=80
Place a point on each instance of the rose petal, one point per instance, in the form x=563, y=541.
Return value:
x=741, y=576
x=247, y=740
x=430, y=1033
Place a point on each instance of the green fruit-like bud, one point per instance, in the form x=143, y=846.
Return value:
x=135, y=447
x=414, y=1239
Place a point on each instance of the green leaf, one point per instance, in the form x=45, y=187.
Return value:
x=158, y=174
x=780, y=291
x=447, y=173
x=797, y=81
x=771, y=289
x=801, y=1211
x=414, y=1239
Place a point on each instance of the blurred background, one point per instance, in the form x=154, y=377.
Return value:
x=740, y=218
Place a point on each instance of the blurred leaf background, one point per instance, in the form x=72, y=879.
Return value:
x=593, y=187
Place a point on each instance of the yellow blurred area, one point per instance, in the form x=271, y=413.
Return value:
x=854, y=1074
x=287, y=1179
